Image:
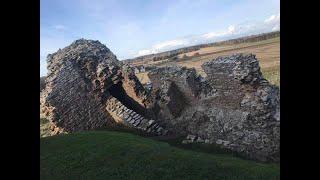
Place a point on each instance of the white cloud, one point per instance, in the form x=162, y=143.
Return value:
x=211, y=35
x=233, y=31
x=165, y=46
x=144, y=52
x=276, y=28
x=59, y=27
x=168, y=44
x=273, y=19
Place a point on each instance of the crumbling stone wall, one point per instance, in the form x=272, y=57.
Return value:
x=173, y=89
x=78, y=85
x=234, y=106
x=122, y=114
x=42, y=83
x=133, y=86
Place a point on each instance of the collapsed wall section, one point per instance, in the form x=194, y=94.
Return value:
x=122, y=114
x=173, y=89
x=234, y=106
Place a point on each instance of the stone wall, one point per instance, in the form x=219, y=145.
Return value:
x=173, y=89
x=124, y=115
x=81, y=80
x=139, y=69
x=42, y=83
x=234, y=106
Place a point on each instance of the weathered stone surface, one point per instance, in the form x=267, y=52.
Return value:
x=88, y=88
x=194, y=139
x=173, y=89
x=42, y=83
x=234, y=106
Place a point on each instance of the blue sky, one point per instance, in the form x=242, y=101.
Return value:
x=132, y=28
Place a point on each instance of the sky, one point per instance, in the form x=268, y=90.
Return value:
x=131, y=28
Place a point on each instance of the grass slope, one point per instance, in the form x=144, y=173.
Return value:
x=117, y=155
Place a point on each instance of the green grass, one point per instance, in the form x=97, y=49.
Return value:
x=272, y=75
x=117, y=155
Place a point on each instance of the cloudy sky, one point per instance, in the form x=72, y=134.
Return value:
x=133, y=28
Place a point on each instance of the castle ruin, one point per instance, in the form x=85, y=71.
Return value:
x=234, y=106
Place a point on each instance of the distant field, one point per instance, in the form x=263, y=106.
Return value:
x=143, y=77
x=115, y=155
x=267, y=52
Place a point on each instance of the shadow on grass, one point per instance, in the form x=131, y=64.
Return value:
x=176, y=141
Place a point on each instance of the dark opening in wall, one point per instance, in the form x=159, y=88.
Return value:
x=177, y=101
x=118, y=92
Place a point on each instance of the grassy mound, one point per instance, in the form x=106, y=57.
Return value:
x=116, y=155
